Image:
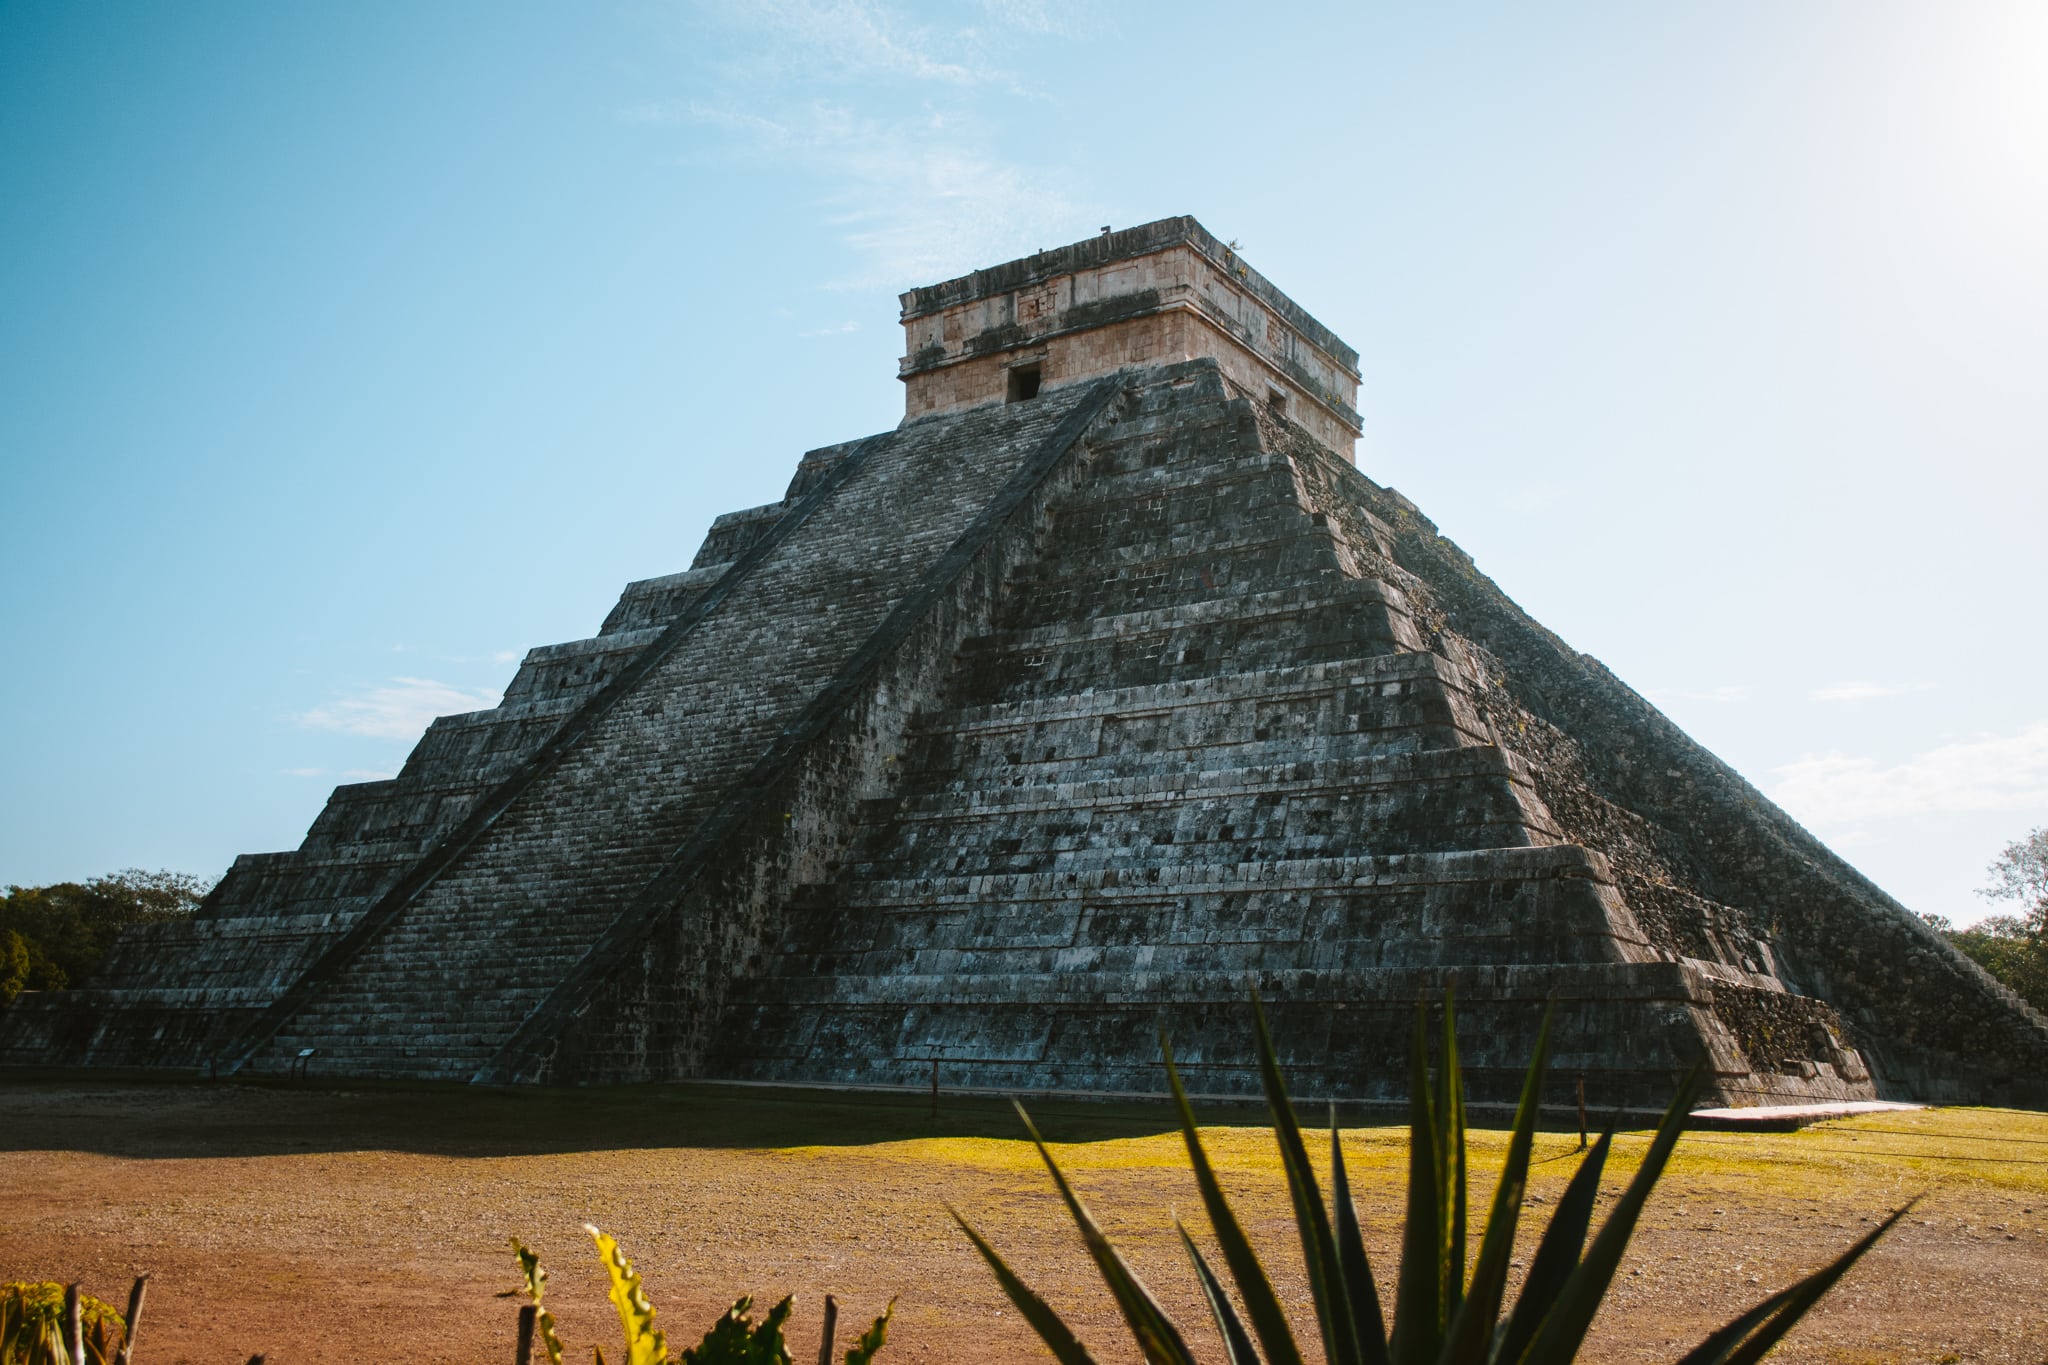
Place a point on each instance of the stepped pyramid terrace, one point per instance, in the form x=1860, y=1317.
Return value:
x=1101, y=689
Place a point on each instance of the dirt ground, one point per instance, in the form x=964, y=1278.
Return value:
x=370, y=1224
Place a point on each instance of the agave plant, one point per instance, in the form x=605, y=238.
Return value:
x=1441, y=1316
x=735, y=1339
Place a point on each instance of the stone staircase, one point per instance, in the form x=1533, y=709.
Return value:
x=442, y=988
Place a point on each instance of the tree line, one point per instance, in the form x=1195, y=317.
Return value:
x=2013, y=948
x=53, y=937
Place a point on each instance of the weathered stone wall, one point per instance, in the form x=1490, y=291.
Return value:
x=1156, y=338
x=1151, y=295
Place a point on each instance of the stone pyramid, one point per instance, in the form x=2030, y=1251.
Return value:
x=1098, y=691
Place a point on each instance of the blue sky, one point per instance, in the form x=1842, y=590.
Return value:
x=348, y=351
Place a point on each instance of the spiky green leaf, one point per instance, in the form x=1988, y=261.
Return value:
x=1787, y=1306
x=1156, y=1335
x=1557, y=1254
x=1359, y=1285
x=1473, y=1325
x=1564, y=1327
x=1450, y=1127
x=1318, y=1243
x=1236, y=1341
x=1261, y=1304
x=1418, y=1294
x=1719, y=1344
x=1058, y=1337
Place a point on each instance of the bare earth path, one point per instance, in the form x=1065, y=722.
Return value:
x=369, y=1225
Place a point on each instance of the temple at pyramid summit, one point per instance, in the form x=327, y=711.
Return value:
x=1101, y=690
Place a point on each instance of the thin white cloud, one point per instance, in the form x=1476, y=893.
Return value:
x=1983, y=773
x=916, y=183
x=401, y=709
x=507, y=656
x=366, y=774
x=840, y=330
x=919, y=200
x=1865, y=691
x=1065, y=18
x=848, y=40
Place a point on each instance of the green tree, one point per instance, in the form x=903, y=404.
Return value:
x=53, y=937
x=13, y=966
x=2020, y=874
x=2013, y=948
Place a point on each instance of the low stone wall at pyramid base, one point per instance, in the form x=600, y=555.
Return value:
x=114, y=1028
x=164, y=1026
x=1630, y=1031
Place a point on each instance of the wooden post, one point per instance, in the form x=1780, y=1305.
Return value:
x=522, y=1354
x=935, y=1087
x=831, y=1328
x=1582, y=1111
x=74, y=1325
x=127, y=1353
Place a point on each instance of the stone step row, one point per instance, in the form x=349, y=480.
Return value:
x=1238, y=606
x=1208, y=649
x=1118, y=474
x=1005, y=762
x=412, y=1009
x=654, y=602
x=1078, y=848
x=1180, y=570
x=1195, y=778
x=1338, y=725
x=1126, y=505
x=558, y=938
x=1378, y=674
x=1640, y=979
x=1137, y=880
x=916, y=972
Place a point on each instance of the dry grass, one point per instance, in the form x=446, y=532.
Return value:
x=359, y=1225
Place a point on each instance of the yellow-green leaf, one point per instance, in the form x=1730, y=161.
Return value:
x=644, y=1344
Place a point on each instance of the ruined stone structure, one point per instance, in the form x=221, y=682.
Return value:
x=1100, y=689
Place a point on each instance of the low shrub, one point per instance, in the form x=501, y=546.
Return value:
x=34, y=1326
x=735, y=1339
